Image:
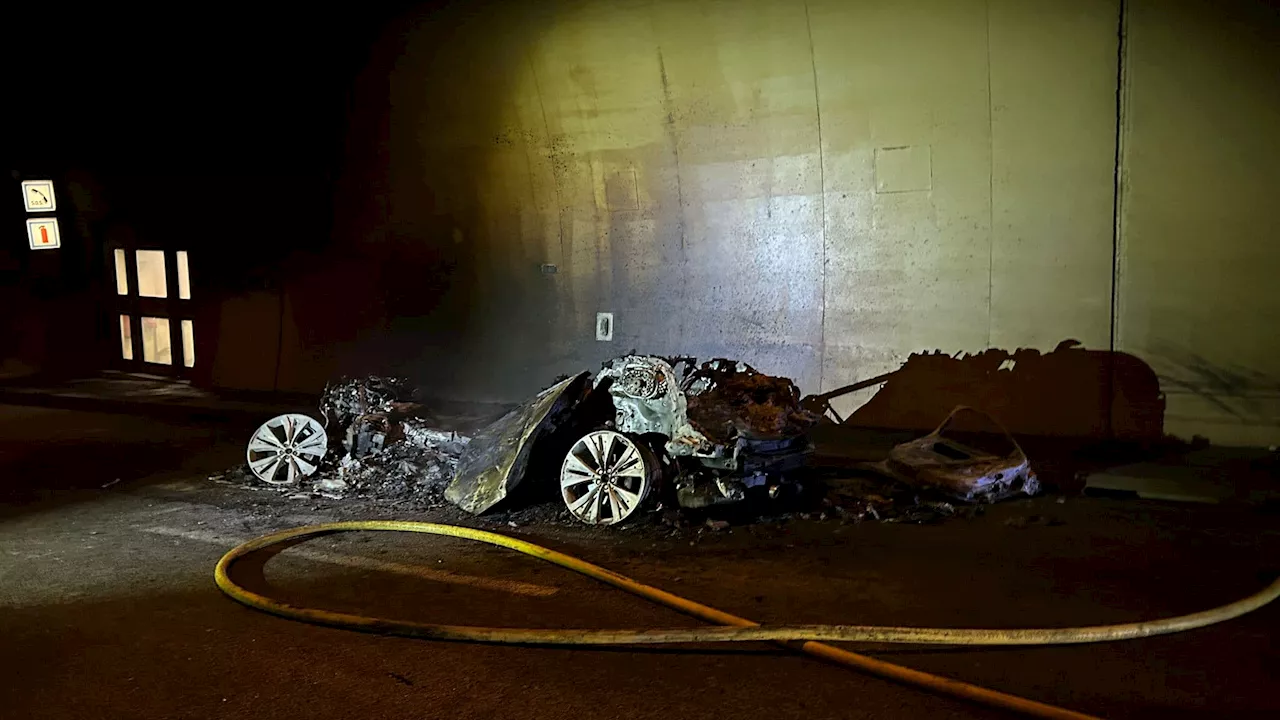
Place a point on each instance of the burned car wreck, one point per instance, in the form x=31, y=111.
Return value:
x=643, y=432
x=643, y=427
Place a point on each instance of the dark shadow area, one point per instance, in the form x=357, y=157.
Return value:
x=221, y=135
x=1069, y=392
x=419, y=274
x=53, y=457
x=1071, y=408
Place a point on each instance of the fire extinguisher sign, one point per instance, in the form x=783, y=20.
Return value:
x=42, y=233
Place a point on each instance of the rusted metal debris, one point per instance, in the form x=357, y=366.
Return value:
x=372, y=431
x=728, y=400
x=974, y=467
x=372, y=413
x=820, y=404
x=346, y=399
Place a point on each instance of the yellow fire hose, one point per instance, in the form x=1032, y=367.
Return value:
x=733, y=628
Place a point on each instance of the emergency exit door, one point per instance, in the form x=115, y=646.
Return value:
x=153, y=310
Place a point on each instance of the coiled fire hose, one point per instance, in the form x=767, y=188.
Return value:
x=732, y=628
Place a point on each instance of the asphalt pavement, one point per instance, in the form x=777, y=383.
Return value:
x=110, y=528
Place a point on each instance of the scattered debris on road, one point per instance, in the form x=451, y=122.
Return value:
x=881, y=499
x=1033, y=520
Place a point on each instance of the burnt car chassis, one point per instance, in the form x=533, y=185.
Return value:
x=642, y=427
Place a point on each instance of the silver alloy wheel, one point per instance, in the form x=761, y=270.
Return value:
x=286, y=449
x=606, y=477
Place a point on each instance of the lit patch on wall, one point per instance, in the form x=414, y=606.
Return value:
x=152, y=281
x=126, y=337
x=188, y=343
x=906, y=168
x=155, y=341
x=122, y=272
x=184, y=279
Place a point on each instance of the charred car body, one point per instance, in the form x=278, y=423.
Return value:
x=980, y=467
x=705, y=434
x=985, y=464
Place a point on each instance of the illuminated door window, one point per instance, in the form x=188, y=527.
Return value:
x=155, y=333
x=184, y=279
x=188, y=343
x=126, y=338
x=155, y=341
x=122, y=273
x=152, y=281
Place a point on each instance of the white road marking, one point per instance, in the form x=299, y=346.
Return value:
x=354, y=561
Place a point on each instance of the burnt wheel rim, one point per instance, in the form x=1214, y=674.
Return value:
x=605, y=478
x=286, y=449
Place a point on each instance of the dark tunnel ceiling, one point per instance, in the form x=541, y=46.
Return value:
x=207, y=89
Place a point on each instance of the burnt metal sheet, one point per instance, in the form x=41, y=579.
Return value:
x=964, y=470
x=820, y=404
x=495, y=460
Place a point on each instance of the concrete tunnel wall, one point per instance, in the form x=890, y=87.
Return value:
x=820, y=189
x=1197, y=296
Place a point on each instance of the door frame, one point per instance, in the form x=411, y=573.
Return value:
x=172, y=308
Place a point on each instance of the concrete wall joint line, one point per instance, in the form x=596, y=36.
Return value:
x=991, y=182
x=822, y=196
x=1117, y=207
